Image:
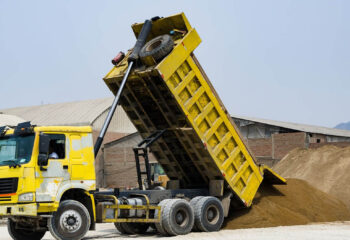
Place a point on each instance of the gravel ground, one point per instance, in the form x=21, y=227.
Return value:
x=324, y=231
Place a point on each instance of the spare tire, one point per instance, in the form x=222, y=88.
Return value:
x=157, y=48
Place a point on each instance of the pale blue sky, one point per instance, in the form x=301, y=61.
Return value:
x=281, y=60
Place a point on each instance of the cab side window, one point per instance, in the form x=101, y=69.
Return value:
x=57, y=148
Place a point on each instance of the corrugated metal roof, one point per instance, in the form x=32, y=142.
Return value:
x=123, y=139
x=69, y=113
x=9, y=120
x=299, y=127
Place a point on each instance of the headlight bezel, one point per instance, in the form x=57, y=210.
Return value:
x=26, y=197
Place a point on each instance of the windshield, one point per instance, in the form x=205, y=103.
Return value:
x=16, y=149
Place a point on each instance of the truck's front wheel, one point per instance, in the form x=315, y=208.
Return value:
x=71, y=221
x=21, y=232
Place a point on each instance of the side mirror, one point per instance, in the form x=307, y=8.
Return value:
x=44, y=144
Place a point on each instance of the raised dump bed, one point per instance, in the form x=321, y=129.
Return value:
x=201, y=143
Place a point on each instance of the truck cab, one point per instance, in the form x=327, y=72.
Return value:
x=41, y=167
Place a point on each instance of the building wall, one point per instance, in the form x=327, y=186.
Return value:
x=284, y=142
x=110, y=136
x=337, y=139
x=270, y=150
x=338, y=144
x=317, y=138
x=261, y=147
x=119, y=167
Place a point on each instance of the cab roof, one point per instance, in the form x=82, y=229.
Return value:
x=63, y=129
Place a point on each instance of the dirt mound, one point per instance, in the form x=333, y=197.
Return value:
x=292, y=204
x=326, y=168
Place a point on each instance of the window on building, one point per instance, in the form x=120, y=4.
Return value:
x=318, y=140
x=57, y=146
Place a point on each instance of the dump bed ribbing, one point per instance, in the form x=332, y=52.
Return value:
x=202, y=142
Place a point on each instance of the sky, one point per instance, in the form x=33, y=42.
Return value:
x=272, y=59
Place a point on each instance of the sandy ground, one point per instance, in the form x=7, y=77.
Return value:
x=324, y=231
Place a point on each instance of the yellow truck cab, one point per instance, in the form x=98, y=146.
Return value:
x=40, y=167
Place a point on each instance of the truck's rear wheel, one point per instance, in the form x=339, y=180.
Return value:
x=159, y=225
x=193, y=203
x=22, y=234
x=177, y=217
x=209, y=214
x=71, y=221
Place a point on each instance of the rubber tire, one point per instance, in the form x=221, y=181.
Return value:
x=166, y=45
x=19, y=234
x=52, y=222
x=193, y=203
x=200, y=209
x=159, y=225
x=120, y=228
x=168, y=217
x=134, y=228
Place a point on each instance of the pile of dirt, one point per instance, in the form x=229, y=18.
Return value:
x=326, y=168
x=293, y=204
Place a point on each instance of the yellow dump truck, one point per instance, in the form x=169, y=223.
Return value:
x=47, y=175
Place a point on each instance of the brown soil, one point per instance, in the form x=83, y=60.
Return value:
x=326, y=168
x=292, y=204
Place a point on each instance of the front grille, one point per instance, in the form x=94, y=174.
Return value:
x=8, y=185
x=5, y=199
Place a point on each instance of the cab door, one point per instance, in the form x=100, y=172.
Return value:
x=57, y=173
x=82, y=158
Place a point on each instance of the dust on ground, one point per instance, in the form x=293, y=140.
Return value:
x=296, y=203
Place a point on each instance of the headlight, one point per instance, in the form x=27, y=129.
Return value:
x=26, y=197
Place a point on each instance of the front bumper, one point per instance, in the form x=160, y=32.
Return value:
x=29, y=209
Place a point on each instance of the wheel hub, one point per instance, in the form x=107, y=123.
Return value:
x=179, y=218
x=212, y=214
x=70, y=221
